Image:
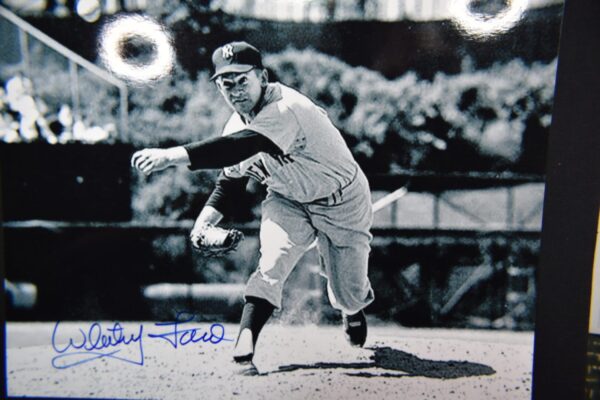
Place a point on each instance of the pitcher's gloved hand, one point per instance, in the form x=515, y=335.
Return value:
x=213, y=241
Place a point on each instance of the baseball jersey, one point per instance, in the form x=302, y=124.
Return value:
x=315, y=160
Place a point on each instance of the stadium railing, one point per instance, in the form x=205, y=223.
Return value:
x=26, y=30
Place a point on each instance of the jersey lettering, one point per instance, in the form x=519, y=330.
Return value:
x=258, y=171
x=283, y=159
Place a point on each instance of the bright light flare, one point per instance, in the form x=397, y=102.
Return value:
x=117, y=33
x=482, y=26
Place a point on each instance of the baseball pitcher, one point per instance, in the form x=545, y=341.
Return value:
x=315, y=190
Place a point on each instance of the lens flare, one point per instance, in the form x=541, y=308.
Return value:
x=131, y=28
x=483, y=26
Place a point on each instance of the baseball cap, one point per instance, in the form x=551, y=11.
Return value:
x=235, y=57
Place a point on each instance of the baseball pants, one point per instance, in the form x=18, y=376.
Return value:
x=341, y=222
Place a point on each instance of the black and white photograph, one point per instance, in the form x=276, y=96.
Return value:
x=259, y=199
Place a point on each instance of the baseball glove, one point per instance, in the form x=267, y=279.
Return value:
x=212, y=241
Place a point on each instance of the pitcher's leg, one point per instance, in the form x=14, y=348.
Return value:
x=255, y=315
x=285, y=234
x=346, y=267
x=344, y=242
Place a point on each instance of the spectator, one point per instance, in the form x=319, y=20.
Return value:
x=62, y=124
x=8, y=126
x=9, y=129
x=31, y=120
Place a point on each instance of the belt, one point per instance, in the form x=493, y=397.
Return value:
x=336, y=196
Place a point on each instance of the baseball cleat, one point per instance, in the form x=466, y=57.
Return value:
x=246, y=368
x=244, y=348
x=355, y=328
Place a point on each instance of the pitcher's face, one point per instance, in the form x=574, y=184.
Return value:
x=242, y=91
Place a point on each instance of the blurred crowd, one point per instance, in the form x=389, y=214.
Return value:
x=27, y=118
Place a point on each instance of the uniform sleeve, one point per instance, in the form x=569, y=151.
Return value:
x=228, y=150
x=278, y=123
x=227, y=190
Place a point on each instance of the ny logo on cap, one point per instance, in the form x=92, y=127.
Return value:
x=227, y=51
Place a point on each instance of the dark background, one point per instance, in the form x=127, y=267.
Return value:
x=392, y=48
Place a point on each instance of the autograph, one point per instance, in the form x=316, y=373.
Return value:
x=175, y=336
x=98, y=342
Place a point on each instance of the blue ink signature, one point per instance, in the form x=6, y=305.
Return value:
x=175, y=336
x=96, y=344
x=91, y=344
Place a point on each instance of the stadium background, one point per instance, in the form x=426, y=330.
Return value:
x=461, y=122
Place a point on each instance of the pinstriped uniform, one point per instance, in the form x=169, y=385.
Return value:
x=315, y=190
